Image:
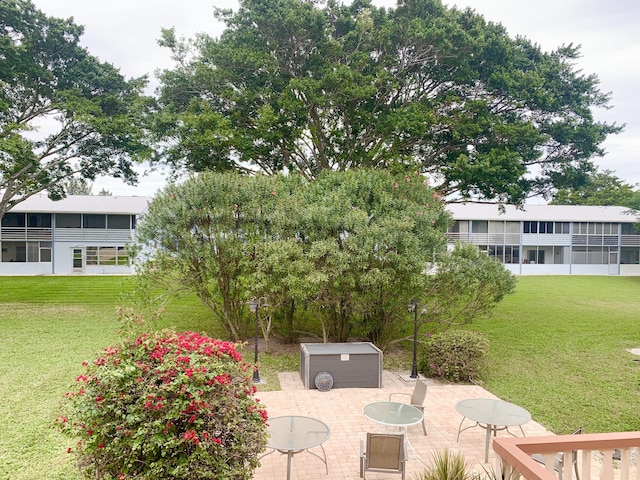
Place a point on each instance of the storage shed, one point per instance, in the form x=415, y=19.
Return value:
x=350, y=365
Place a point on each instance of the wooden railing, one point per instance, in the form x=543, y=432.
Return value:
x=605, y=456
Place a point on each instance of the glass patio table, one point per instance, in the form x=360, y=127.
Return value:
x=394, y=414
x=492, y=415
x=292, y=434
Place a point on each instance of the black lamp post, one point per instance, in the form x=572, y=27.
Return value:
x=254, y=306
x=413, y=307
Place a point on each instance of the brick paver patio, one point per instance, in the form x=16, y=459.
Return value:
x=341, y=409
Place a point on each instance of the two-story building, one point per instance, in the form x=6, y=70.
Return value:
x=89, y=234
x=79, y=234
x=552, y=239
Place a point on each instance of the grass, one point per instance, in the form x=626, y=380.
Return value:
x=557, y=348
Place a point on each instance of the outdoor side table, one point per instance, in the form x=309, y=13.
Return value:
x=292, y=434
x=492, y=415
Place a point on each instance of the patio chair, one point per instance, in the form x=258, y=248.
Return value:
x=559, y=463
x=385, y=452
x=417, y=398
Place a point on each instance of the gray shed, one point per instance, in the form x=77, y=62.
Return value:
x=354, y=364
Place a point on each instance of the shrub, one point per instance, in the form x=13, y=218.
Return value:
x=446, y=466
x=454, y=355
x=166, y=406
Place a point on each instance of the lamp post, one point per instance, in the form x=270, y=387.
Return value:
x=413, y=307
x=254, y=306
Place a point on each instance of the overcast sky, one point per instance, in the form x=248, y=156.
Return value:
x=125, y=34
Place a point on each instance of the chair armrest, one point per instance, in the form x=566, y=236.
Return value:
x=399, y=393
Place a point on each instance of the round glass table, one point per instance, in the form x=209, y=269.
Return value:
x=394, y=414
x=492, y=415
x=293, y=434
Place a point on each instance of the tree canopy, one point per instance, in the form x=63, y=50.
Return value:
x=63, y=113
x=600, y=188
x=344, y=253
x=300, y=85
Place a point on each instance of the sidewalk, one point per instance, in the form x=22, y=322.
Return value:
x=341, y=409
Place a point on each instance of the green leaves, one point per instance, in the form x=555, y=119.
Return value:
x=310, y=88
x=166, y=405
x=346, y=247
x=92, y=113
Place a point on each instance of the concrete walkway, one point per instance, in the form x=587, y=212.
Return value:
x=341, y=409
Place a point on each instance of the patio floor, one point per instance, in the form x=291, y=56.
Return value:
x=341, y=409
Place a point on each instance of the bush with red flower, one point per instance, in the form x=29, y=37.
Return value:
x=166, y=406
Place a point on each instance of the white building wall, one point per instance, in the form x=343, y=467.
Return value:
x=630, y=270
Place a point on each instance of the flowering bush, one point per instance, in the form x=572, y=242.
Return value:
x=166, y=406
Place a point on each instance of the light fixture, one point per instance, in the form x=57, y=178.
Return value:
x=254, y=306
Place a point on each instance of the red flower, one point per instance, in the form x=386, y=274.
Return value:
x=191, y=436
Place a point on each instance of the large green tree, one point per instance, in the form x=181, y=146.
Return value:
x=600, y=188
x=311, y=86
x=349, y=248
x=63, y=113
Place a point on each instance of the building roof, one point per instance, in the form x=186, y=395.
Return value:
x=106, y=204
x=546, y=213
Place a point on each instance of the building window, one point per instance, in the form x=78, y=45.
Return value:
x=107, y=256
x=479, y=226
x=496, y=227
x=39, y=220
x=580, y=228
x=94, y=221
x=91, y=255
x=560, y=255
x=545, y=227
x=561, y=228
x=512, y=227
x=31, y=252
x=535, y=254
x=595, y=255
x=13, y=220
x=538, y=227
x=119, y=222
x=630, y=255
x=68, y=220
x=123, y=256
x=45, y=252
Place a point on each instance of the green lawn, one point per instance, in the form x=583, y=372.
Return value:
x=557, y=348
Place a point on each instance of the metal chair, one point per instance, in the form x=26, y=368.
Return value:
x=385, y=452
x=558, y=461
x=417, y=398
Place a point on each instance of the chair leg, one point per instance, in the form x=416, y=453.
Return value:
x=424, y=428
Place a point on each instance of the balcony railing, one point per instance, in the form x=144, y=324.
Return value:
x=605, y=456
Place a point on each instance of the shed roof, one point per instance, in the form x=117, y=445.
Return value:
x=125, y=205
x=547, y=213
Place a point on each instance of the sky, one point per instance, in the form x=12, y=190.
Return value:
x=125, y=34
